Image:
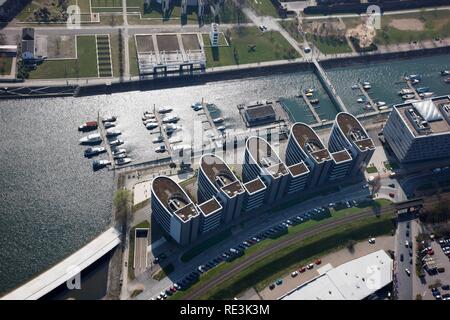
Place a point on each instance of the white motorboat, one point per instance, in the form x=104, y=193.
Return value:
x=90, y=152
x=408, y=96
x=382, y=107
x=218, y=120
x=116, y=142
x=121, y=162
x=117, y=151
x=109, y=125
x=151, y=125
x=98, y=164
x=380, y=104
x=158, y=139
x=109, y=119
x=145, y=122
x=221, y=128
x=169, y=128
x=426, y=94
x=405, y=91
x=165, y=109
x=92, y=138
x=171, y=118
x=113, y=133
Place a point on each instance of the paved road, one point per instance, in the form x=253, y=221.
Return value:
x=404, y=281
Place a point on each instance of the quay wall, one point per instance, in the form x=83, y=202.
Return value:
x=225, y=74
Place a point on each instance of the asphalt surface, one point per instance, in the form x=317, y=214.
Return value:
x=403, y=282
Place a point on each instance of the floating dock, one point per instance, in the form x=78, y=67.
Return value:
x=368, y=98
x=102, y=132
x=310, y=106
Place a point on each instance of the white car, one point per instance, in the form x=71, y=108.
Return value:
x=371, y=240
x=294, y=274
x=406, y=243
x=407, y=271
x=310, y=266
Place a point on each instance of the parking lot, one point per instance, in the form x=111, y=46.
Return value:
x=435, y=285
x=292, y=281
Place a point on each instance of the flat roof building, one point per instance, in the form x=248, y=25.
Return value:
x=215, y=179
x=260, y=160
x=174, y=210
x=348, y=134
x=260, y=115
x=420, y=130
x=255, y=194
x=354, y=280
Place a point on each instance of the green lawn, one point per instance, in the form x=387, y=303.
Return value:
x=134, y=67
x=84, y=6
x=371, y=169
x=250, y=46
x=27, y=12
x=5, y=65
x=208, y=243
x=265, y=271
x=83, y=67
x=436, y=24
x=264, y=7
x=291, y=27
x=329, y=45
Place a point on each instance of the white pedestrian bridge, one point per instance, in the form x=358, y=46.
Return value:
x=66, y=269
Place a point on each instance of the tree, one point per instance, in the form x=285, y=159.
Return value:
x=122, y=202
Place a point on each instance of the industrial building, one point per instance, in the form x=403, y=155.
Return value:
x=420, y=130
x=260, y=160
x=357, y=279
x=348, y=134
x=174, y=210
x=215, y=179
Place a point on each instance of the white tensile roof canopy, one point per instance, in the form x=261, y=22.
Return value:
x=428, y=110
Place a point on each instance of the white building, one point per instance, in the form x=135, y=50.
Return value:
x=354, y=280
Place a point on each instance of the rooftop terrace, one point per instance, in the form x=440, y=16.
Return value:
x=311, y=144
x=354, y=131
x=266, y=157
x=220, y=174
x=210, y=206
x=255, y=186
x=173, y=198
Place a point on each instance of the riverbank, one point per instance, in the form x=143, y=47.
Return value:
x=199, y=77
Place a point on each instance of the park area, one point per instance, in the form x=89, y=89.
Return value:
x=264, y=7
x=411, y=27
x=84, y=66
x=248, y=45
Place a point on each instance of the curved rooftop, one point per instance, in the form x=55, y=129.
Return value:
x=308, y=140
x=354, y=131
x=173, y=198
x=220, y=175
x=265, y=157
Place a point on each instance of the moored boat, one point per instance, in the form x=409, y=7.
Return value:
x=165, y=109
x=91, y=139
x=405, y=91
x=408, y=96
x=151, y=125
x=90, y=152
x=121, y=162
x=116, y=142
x=445, y=73
x=99, y=164
x=117, y=151
x=422, y=89
x=426, y=94
x=113, y=133
x=88, y=126
x=382, y=107
x=171, y=118
x=314, y=101
x=218, y=120
x=120, y=156
x=109, y=119
x=158, y=139
x=109, y=125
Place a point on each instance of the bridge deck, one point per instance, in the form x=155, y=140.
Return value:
x=63, y=271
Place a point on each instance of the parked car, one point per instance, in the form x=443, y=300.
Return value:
x=272, y=286
x=310, y=266
x=318, y=261
x=302, y=269
x=407, y=271
x=294, y=274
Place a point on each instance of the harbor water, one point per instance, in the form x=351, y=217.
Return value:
x=52, y=203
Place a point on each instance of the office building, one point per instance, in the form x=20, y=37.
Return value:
x=174, y=210
x=348, y=134
x=215, y=179
x=419, y=131
x=261, y=161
